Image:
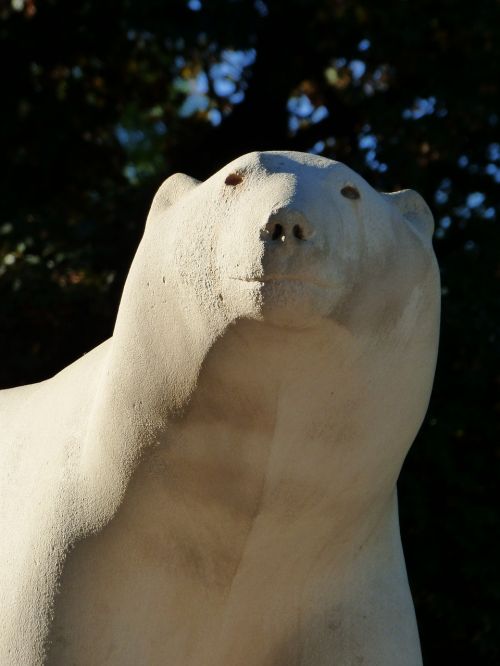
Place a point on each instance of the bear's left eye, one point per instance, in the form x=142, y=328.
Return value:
x=350, y=192
x=234, y=179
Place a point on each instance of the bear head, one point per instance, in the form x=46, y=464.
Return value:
x=289, y=239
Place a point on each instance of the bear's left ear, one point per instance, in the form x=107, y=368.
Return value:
x=170, y=191
x=414, y=208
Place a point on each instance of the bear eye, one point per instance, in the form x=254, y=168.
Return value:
x=234, y=179
x=350, y=192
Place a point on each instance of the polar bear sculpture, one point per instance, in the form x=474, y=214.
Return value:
x=216, y=484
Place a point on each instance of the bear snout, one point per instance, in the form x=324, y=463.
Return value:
x=287, y=225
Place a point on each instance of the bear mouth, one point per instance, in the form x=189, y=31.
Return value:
x=276, y=277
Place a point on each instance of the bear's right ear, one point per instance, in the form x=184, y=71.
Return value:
x=170, y=191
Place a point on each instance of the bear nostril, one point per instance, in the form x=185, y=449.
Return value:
x=285, y=223
x=277, y=232
x=298, y=232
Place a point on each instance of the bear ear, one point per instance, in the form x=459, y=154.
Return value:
x=170, y=191
x=412, y=206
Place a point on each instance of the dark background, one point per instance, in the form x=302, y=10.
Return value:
x=103, y=100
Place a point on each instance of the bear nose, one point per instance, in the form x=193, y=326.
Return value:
x=284, y=225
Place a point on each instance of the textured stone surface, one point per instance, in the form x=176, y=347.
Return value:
x=216, y=484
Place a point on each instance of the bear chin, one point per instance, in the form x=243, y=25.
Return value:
x=294, y=303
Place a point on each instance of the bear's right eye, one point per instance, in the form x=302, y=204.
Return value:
x=234, y=179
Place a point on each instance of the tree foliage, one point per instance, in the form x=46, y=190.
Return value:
x=102, y=101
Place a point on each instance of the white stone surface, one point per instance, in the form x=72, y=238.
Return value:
x=216, y=484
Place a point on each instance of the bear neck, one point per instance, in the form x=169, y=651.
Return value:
x=283, y=416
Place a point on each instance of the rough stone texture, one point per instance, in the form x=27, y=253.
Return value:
x=216, y=484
